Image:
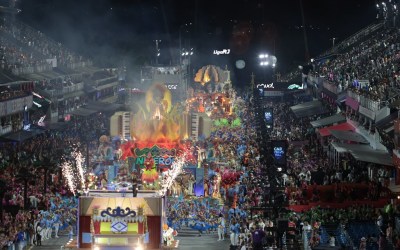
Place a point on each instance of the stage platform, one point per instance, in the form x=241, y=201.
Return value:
x=113, y=193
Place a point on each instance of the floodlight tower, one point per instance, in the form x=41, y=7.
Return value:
x=267, y=61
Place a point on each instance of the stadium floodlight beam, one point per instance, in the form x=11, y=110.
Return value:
x=266, y=60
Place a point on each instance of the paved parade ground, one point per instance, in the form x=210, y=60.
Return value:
x=189, y=240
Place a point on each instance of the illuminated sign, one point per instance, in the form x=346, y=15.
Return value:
x=295, y=86
x=162, y=157
x=279, y=152
x=41, y=121
x=222, y=52
x=268, y=116
x=172, y=86
x=265, y=85
x=27, y=127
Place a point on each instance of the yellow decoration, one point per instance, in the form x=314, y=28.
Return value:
x=209, y=73
x=105, y=227
x=133, y=228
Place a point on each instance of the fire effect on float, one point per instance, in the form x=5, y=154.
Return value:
x=157, y=132
x=159, y=121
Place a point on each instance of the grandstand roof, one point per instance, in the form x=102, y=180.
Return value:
x=343, y=127
x=364, y=153
x=101, y=106
x=22, y=135
x=348, y=136
x=308, y=109
x=328, y=121
x=83, y=112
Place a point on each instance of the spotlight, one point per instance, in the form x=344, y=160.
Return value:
x=139, y=248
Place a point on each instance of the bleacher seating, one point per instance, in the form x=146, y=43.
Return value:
x=24, y=50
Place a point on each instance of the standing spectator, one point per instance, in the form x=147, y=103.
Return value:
x=363, y=244
x=382, y=242
x=70, y=232
x=332, y=241
x=20, y=239
x=257, y=238
x=389, y=232
x=38, y=235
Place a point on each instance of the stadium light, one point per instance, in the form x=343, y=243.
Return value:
x=267, y=60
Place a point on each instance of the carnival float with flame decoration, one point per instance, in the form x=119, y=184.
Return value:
x=156, y=136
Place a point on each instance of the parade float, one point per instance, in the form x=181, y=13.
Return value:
x=119, y=223
x=157, y=161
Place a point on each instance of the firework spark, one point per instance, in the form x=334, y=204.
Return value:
x=171, y=174
x=69, y=176
x=73, y=171
x=79, y=159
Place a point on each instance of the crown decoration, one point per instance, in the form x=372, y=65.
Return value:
x=118, y=212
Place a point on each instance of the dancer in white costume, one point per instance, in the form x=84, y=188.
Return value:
x=49, y=230
x=221, y=227
x=56, y=224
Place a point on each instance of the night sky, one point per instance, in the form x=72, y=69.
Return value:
x=107, y=30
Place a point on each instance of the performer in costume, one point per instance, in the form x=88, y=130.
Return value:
x=56, y=223
x=49, y=225
x=234, y=232
x=44, y=229
x=134, y=183
x=150, y=172
x=221, y=227
x=191, y=182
